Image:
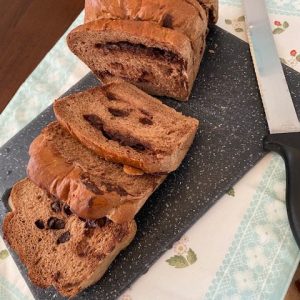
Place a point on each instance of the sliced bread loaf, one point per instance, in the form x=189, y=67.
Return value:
x=90, y=185
x=125, y=125
x=57, y=247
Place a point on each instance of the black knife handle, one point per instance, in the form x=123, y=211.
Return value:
x=288, y=146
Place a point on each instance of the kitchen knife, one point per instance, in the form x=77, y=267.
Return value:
x=284, y=126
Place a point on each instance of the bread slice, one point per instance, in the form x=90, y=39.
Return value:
x=90, y=185
x=57, y=247
x=156, y=45
x=125, y=125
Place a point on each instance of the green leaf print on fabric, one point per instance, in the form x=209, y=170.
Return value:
x=3, y=254
x=239, y=29
x=184, y=255
x=178, y=261
x=191, y=256
x=280, y=27
x=237, y=24
x=293, y=59
x=278, y=30
x=231, y=192
x=285, y=25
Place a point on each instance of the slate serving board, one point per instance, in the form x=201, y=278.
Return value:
x=226, y=100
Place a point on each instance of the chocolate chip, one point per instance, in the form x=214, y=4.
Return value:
x=118, y=112
x=100, y=256
x=108, y=221
x=110, y=96
x=67, y=210
x=92, y=187
x=144, y=112
x=37, y=261
x=137, y=49
x=124, y=140
x=101, y=222
x=138, y=147
x=116, y=188
x=64, y=238
x=94, y=120
x=88, y=232
x=39, y=224
x=56, y=206
x=145, y=121
x=55, y=223
x=167, y=21
x=57, y=276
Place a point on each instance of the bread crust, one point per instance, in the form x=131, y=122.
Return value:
x=106, y=242
x=187, y=17
x=64, y=179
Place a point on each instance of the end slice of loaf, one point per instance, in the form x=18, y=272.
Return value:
x=90, y=185
x=125, y=125
x=158, y=60
x=57, y=248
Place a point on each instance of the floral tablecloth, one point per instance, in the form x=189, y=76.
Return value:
x=242, y=248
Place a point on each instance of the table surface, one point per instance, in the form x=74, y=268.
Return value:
x=43, y=23
x=28, y=30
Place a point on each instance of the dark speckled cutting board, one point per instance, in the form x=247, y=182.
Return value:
x=226, y=100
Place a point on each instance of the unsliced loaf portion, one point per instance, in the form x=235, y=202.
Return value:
x=90, y=185
x=156, y=45
x=125, y=125
x=57, y=248
x=156, y=9
x=185, y=16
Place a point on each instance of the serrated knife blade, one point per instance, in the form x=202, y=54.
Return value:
x=284, y=126
x=276, y=97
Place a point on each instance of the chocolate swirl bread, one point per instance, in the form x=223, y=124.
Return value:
x=57, y=247
x=155, y=44
x=125, y=125
x=90, y=185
